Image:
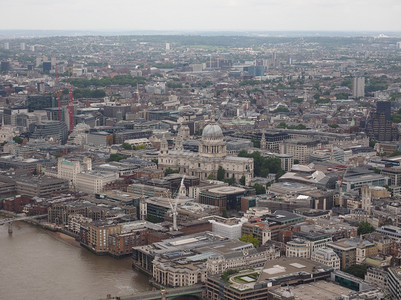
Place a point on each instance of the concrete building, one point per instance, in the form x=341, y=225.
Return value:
x=352, y=251
x=355, y=182
x=327, y=257
x=93, y=182
x=187, y=249
x=286, y=161
x=394, y=282
x=358, y=87
x=300, y=149
x=305, y=243
x=377, y=277
x=41, y=186
x=224, y=197
x=101, y=139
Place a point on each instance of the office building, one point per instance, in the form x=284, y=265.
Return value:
x=50, y=130
x=379, y=126
x=384, y=107
x=327, y=257
x=358, y=87
x=40, y=186
x=5, y=66
x=394, y=282
x=47, y=66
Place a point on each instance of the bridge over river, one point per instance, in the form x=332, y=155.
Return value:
x=17, y=218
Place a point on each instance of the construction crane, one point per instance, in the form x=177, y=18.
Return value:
x=71, y=110
x=174, y=213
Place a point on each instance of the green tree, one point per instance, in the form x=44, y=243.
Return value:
x=242, y=180
x=169, y=171
x=298, y=127
x=372, y=143
x=116, y=157
x=322, y=101
x=126, y=146
x=230, y=181
x=260, y=189
x=249, y=238
x=256, y=143
x=395, y=153
x=140, y=147
x=282, y=125
x=281, y=109
x=211, y=176
x=334, y=125
x=227, y=274
x=365, y=227
x=377, y=170
x=357, y=270
x=263, y=165
x=156, y=161
x=18, y=139
x=221, y=173
x=296, y=161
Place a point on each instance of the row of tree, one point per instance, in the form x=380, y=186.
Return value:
x=127, y=146
x=264, y=165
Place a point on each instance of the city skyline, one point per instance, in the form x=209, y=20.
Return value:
x=225, y=15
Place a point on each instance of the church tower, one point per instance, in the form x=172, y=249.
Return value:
x=366, y=199
x=178, y=143
x=164, y=146
x=263, y=144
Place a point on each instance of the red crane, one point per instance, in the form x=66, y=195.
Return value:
x=71, y=110
x=59, y=104
x=58, y=96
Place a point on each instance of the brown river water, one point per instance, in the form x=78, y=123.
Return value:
x=38, y=264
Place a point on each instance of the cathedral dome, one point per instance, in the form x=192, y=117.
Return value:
x=212, y=132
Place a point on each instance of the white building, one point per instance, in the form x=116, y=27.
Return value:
x=69, y=169
x=297, y=248
x=212, y=155
x=94, y=181
x=326, y=256
x=75, y=221
x=230, y=228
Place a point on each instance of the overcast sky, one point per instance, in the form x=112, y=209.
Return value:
x=186, y=15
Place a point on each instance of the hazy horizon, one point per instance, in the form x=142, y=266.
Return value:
x=206, y=15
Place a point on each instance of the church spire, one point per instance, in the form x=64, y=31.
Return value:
x=163, y=146
x=263, y=144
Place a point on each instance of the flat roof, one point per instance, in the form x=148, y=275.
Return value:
x=318, y=290
x=285, y=266
x=225, y=190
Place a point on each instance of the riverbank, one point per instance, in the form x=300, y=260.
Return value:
x=52, y=230
x=66, y=239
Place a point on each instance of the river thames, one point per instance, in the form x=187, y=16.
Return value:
x=37, y=264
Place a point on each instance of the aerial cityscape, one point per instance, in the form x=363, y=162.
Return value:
x=201, y=161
